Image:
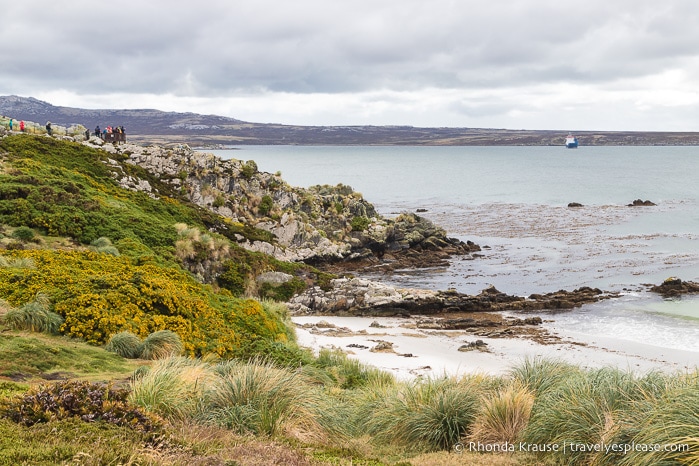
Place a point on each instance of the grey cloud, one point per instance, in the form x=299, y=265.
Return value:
x=220, y=47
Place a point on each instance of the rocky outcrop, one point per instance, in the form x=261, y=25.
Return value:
x=356, y=296
x=319, y=225
x=674, y=286
x=641, y=203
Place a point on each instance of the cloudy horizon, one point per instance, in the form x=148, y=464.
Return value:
x=516, y=64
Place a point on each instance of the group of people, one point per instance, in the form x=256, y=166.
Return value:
x=109, y=130
x=21, y=125
x=111, y=133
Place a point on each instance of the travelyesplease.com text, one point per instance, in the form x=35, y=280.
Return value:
x=573, y=447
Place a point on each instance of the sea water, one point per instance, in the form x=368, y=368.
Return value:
x=513, y=202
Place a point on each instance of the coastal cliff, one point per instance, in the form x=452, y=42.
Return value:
x=319, y=225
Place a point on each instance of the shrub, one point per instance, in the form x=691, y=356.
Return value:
x=161, y=344
x=282, y=291
x=359, y=223
x=34, y=316
x=104, y=245
x=281, y=354
x=125, y=344
x=266, y=204
x=23, y=234
x=87, y=401
x=248, y=169
x=101, y=295
x=219, y=201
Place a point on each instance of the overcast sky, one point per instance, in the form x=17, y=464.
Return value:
x=519, y=64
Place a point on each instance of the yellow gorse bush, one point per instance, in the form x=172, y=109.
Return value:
x=100, y=295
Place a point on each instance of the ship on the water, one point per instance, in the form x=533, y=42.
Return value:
x=571, y=142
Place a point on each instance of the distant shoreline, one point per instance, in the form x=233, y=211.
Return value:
x=148, y=126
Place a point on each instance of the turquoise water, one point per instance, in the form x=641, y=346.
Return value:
x=514, y=200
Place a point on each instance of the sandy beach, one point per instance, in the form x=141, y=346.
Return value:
x=394, y=344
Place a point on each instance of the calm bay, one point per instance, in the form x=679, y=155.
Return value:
x=513, y=201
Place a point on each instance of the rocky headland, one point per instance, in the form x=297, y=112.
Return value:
x=331, y=226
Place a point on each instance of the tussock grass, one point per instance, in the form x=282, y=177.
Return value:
x=350, y=373
x=34, y=316
x=172, y=388
x=540, y=374
x=670, y=420
x=504, y=415
x=125, y=344
x=104, y=245
x=17, y=262
x=426, y=415
x=594, y=407
x=257, y=397
x=161, y=344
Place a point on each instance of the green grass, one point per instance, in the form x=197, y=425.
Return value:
x=69, y=441
x=30, y=357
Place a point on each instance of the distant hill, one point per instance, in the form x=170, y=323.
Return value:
x=155, y=126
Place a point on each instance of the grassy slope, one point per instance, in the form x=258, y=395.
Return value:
x=64, y=189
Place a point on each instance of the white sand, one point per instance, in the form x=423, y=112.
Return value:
x=436, y=352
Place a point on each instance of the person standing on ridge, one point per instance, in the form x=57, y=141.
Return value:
x=10, y=124
x=48, y=128
x=21, y=126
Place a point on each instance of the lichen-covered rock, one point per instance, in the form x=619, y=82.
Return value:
x=320, y=225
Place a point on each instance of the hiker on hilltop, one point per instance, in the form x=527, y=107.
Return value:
x=98, y=133
x=48, y=128
x=21, y=126
x=10, y=124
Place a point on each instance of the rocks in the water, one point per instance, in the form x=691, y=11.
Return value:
x=360, y=296
x=641, y=203
x=574, y=204
x=674, y=286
